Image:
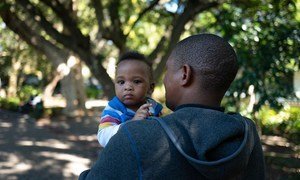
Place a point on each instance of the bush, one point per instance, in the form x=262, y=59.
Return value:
x=51, y=112
x=27, y=91
x=10, y=103
x=93, y=92
x=285, y=122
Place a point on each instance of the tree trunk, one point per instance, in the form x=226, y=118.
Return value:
x=49, y=89
x=13, y=78
x=69, y=92
x=79, y=85
x=100, y=73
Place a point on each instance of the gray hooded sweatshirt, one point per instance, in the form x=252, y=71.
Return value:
x=215, y=145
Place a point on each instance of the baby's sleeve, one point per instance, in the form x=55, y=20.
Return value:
x=108, y=127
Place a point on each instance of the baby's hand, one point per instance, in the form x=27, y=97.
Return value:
x=142, y=112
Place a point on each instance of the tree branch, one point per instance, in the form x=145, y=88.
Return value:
x=52, y=51
x=46, y=25
x=191, y=10
x=69, y=23
x=32, y=37
x=114, y=14
x=158, y=49
x=117, y=35
x=64, y=15
x=142, y=14
x=68, y=41
x=100, y=19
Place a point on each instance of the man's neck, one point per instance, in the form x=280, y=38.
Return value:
x=218, y=108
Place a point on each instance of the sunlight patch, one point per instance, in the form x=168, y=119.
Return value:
x=83, y=138
x=51, y=143
x=13, y=165
x=95, y=103
x=5, y=125
x=75, y=165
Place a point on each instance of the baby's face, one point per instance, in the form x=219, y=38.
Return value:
x=132, y=83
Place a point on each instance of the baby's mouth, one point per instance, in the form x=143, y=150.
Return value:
x=126, y=96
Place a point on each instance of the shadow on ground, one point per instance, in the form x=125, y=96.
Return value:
x=64, y=147
x=282, y=158
x=57, y=150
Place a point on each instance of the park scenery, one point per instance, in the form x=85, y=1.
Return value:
x=57, y=68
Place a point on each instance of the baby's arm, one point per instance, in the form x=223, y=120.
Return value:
x=108, y=127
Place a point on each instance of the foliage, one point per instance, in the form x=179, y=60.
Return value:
x=95, y=29
x=13, y=49
x=267, y=43
x=22, y=102
x=283, y=122
x=27, y=91
x=266, y=37
x=10, y=103
x=93, y=92
x=53, y=111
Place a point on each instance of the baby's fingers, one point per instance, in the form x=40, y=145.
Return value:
x=145, y=106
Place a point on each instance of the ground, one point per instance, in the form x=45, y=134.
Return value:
x=61, y=148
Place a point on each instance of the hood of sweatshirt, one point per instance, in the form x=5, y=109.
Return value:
x=221, y=145
x=237, y=161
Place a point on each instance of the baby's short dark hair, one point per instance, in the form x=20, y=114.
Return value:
x=134, y=55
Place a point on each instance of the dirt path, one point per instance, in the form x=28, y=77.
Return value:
x=65, y=147
x=282, y=158
x=30, y=150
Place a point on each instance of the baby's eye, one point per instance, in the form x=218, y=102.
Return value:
x=137, y=81
x=120, y=82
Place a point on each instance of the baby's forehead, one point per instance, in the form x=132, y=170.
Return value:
x=132, y=64
x=136, y=62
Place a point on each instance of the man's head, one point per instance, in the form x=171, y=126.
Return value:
x=134, y=79
x=200, y=69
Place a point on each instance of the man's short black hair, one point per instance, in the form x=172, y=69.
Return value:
x=212, y=59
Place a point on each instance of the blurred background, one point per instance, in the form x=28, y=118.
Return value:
x=57, y=65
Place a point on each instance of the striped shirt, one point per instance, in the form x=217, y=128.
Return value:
x=116, y=113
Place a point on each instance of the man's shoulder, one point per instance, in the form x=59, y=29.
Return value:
x=150, y=122
x=141, y=131
x=140, y=124
x=249, y=121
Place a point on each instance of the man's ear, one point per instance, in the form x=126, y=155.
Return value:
x=186, y=74
x=151, y=89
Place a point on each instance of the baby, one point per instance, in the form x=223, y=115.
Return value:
x=134, y=85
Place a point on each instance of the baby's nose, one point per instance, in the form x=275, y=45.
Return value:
x=128, y=86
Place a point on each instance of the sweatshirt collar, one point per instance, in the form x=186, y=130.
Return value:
x=199, y=106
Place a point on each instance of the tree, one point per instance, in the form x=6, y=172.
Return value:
x=268, y=47
x=11, y=55
x=264, y=33
x=60, y=28
x=266, y=37
x=17, y=60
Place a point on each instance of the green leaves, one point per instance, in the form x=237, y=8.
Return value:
x=267, y=42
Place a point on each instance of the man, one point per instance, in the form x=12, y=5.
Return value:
x=212, y=144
